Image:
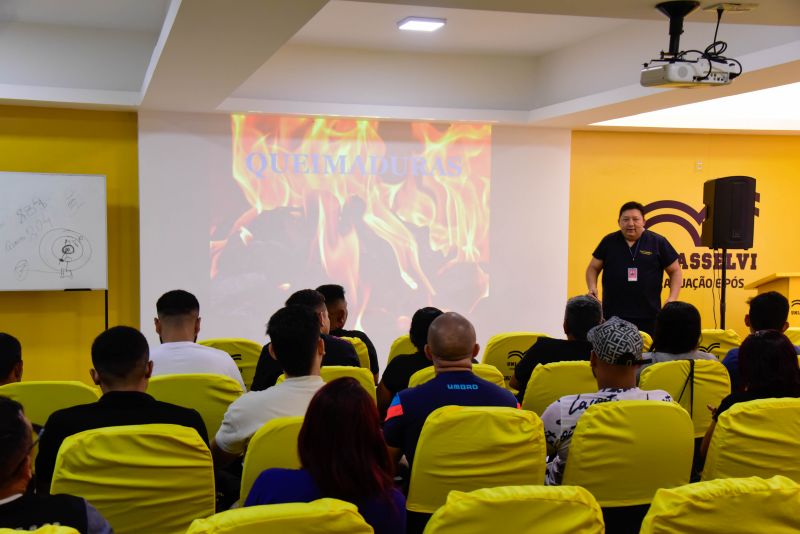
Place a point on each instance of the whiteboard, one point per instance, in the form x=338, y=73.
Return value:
x=52, y=232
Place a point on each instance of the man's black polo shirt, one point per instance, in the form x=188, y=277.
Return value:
x=115, y=408
x=640, y=300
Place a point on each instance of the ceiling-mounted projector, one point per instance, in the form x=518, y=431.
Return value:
x=689, y=68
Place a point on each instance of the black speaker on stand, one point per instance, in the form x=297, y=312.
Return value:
x=730, y=215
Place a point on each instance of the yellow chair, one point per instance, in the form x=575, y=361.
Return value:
x=793, y=334
x=482, y=370
x=551, y=509
x=718, y=342
x=243, y=351
x=469, y=447
x=552, y=381
x=647, y=341
x=323, y=516
x=623, y=451
x=47, y=529
x=209, y=394
x=711, y=384
x=733, y=506
x=504, y=351
x=41, y=399
x=142, y=478
x=361, y=350
x=756, y=438
x=401, y=345
x=332, y=372
x=273, y=445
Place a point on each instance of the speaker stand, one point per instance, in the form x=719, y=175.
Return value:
x=724, y=285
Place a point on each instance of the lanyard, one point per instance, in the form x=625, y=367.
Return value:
x=636, y=251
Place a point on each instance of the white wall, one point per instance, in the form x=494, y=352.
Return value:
x=180, y=155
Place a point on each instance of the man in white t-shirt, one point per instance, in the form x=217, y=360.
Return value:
x=296, y=343
x=177, y=325
x=616, y=354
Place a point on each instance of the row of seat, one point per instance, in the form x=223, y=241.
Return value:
x=622, y=453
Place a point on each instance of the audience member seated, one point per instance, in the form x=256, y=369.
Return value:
x=768, y=311
x=616, y=354
x=399, y=370
x=344, y=456
x=337, y=351
x=297, y=345
x=581, y=314
x=177, y=325
x=337, y=313
x=451, y=346
x=22, y=510
x=768, y=369
x=676, y=336
x=10, y=359
x=122, y=368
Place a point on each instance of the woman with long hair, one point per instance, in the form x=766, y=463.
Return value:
x=769, y=369
x=344, y=456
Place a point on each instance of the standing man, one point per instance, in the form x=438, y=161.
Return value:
x=633, y=262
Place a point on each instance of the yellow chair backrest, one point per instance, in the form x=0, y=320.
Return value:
x=505, y=350
x=793, y=334
x=732, y=505
x=551, y=509
x=756, y=438
x=142, y=478
x=273, y=445
x=323, y=516
x=472, y=447
x=712, y=383
x=647, y=341
x=47, y=529
x=243, y=351
x=718, y=342
x=401, y=345
x=485, y=371
x=552, y=381
x=361, y=350
x=623, y=451
x=332, y=372
x=209, y=394
x=40, y=399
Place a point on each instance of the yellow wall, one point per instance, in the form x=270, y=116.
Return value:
x=56, y=328
x=610, y=168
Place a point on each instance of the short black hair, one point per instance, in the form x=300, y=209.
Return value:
x=331, y=292
x=677, y=329
x=310, y=298
x=119, y=351
x=768, y=311
x=177, y=302
x=294, y=332
x=632, y=205
x=420, y=323
x=581, y=315
x=10, y=354
x=15, y=439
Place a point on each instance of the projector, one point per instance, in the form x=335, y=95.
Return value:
x=680, y=73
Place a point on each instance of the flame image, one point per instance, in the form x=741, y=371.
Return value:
x=355, y=200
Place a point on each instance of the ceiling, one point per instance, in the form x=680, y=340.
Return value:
x=567, y=63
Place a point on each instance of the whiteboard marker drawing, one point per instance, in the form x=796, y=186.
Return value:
x=64, y=251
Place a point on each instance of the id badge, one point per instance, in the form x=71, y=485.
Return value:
x=633, y=274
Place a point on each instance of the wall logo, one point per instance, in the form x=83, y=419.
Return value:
x=691, y=220
x=796, y=304
x=513, y=358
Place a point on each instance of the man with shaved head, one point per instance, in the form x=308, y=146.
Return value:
x=451, y=347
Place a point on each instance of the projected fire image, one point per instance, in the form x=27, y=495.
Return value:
x=397, y=213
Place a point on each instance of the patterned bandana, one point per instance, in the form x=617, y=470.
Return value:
x=617, y=342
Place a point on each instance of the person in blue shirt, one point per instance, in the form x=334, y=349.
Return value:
x=768, y=311
x=343, y=456
x=451, y=346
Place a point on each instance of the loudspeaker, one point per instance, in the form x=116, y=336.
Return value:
x=730, y=212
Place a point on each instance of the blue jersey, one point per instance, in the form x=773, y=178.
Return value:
x=410, y=407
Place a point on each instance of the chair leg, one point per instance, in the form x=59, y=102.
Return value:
x=624, y=519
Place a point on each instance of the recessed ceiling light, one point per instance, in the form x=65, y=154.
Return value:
x=420, y=24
